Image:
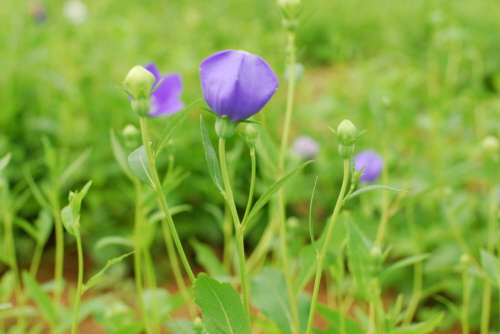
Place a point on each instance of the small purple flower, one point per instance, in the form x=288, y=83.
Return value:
x=373, y=165
x=237, y=84
x=165, y=99
x=306, y=147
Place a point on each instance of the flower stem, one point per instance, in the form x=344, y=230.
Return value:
x=465, y=300
x=252, y=187
x=385, y=212
x=58, y=270
x=161, y=197
x=329, y=232
x=138, y=254
x=239, y=232
x=74, y=329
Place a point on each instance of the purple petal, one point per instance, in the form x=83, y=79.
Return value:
x=237, y=84
x=166, y=99
x=306, y=147
x=373, y=163
x=151, y=67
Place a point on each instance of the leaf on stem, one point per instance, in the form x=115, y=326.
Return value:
x=489, y=262
x=173, y=124
x=97, y=277
x=369, y=188
x=5, y=161
x=77, y=163
x=334, y=319
x=424, y=327
x=221, y=306
x=212, y=161
x=311, y=228
x=70, y=214
x=403, y=263
x=138, y=162
x=273, y=189
x=40, y=297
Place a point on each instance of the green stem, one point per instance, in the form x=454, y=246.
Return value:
x=465, y=300
x=385, y=212
x=252, y=187
x=138, y=254
x=321, y=258
x=228, y=195
x=176, y=269
x=58, y=271
x=11, y=249
x=74, y=329
x=228, y=239
x=150, y=279
x=35, y=261
x=163, y=201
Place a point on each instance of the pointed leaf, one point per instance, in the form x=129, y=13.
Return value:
x=422, y=327
x=77, y=163
x=40, y=297
x=220, y=306
x=273, y=189
x=334, y=319
x=68, y=219
x=489, y=262
x=120, y=155
x=311, y=228
x=138, y=162
x=44, y=224
x=206, y=257
x=403, y=263
x=114, y=240
x=373, y=187
x=5, y=161
x=212, y=161
x=97, y=277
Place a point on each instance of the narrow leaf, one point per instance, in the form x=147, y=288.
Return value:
x=44, y=224
x=40, y=297
x=311, y=228
x=5, y=161
x=212, y=161
x=27, y=227
x=489, y=262
x=373, y=187
x=336, y=320
x=77, y=163
x=97, y=277
x=114, y=240
x=120, y=155
x=358, y=256
x=403, y=263
x=206, y=257
x=422, y=327
x=173, y=124
x=273, y=189
x=138, y=162
x=220, y=306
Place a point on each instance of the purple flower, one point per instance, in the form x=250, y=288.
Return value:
x=165, y=99
x=306, y=147
x=236, y=84
x=373, y=165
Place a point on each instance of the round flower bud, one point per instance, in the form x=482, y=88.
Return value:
x=346, y=133
x=130, y=131
x=464, y=260
x=139, y=82
x=224, y=127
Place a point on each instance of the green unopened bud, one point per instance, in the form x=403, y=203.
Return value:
x=375, y=260
x=141, y=106
x=224, y=127
x=250, y=135
x=464, y=260
x=198, y=325
x=139, y=82
x=346, y=136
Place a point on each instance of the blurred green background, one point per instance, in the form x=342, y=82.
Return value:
x=422, y=77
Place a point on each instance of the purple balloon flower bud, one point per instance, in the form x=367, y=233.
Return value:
x=373, y=165
x=237, y=84
x=306, y=147
x=165, y=100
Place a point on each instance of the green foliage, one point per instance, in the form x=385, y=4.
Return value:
x=212, y=161
x=221, y=306
x=335, y=319
x=41, y=298
x=138, y=162
x=97, y=277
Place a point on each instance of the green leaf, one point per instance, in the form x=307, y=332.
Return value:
x=206, y=257
x=369, y=188
x=273, y=189
x=422, y=327
x=173, y=124
x=120, y=155
x=77, y=163
x=270, y=295
x=5, y=161
x=40, y=297
x=489, y=262
x=358, y=255
x=403, y=263
x=212, y=161
x=138, y=162
x=68, y=219
x=44, y=224
x=307, y=267
x=26, y=227
x=7, y=285
x=220, y=306
x=4, y=306
x=70, y=214
x=334, y=319
x=114, y=240
x=311, y=229
x=97, y=277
